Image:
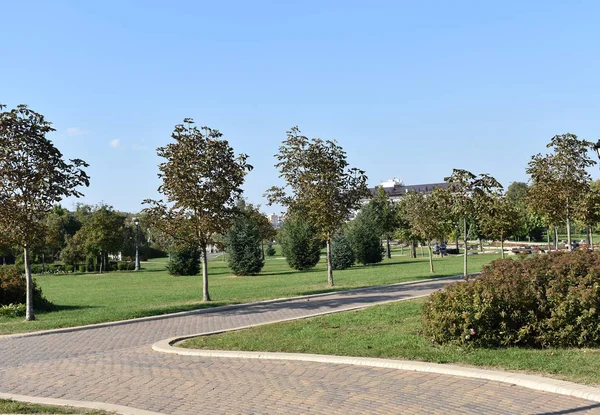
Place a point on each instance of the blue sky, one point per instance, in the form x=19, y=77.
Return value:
x=409, y=89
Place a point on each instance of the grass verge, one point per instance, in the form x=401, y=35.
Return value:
x=394, y=331
x=13, y=407
x=94, y=298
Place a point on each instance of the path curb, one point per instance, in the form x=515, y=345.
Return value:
x=214, y=309
x=120, y=409
x=527, y=381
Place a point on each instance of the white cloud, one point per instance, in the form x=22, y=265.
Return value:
x=73, y=131
x=114, y=143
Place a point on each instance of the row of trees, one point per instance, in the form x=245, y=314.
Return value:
x=201, y=187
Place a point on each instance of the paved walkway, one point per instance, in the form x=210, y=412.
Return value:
x=115, y=364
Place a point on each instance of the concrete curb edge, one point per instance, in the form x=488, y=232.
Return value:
x=214, y=309
x=120, y=409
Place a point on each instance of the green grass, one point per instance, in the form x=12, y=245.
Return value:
x=14, y=407
x=93, y=298
x=394, y=331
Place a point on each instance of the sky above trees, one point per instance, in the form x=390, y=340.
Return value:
x=409, y=89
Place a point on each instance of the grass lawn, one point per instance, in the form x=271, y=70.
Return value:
x=94, y=298
x=14, y=407
x=393, y=331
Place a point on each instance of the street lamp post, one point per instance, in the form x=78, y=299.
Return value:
x=137, y=244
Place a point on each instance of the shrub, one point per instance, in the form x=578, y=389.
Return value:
x=12, y=310
x=270, y=251
x=363, y=235
x=299, y=244
x=82, y=268
x=69, y=268
x=13, y=288
x=35, y=268
x=243, y=245
x=342, y=256
x=122, y=265
x=184, y=261
x=543, y=301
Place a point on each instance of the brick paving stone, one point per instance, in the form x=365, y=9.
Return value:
x=116, y=365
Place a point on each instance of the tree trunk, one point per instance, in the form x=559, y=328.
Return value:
x=29, y=316
x=569, y=246
x=555, y=238
x=262, y=249
x=205, y=295
x=588, y=235
x=430, y=257
x=101, y=261
x=591, y=240
x=549, y=246
x=413, y=249
x=480, y=245
x=387, y=240
x=329, y=267
x=422, y=253
x=465, y=274
x=457, y=236
x=502, y=245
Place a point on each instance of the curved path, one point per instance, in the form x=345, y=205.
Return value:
x=114, y=363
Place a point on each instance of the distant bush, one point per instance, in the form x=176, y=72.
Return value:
x=270, y=251
x=69, y=268
x=122, y=265
x=243, y=244
x=82, y=268
x=363, y=235
x=13, y=288
x=342, y=256
x=299, y=244
x=184, y=261
x=544, y=301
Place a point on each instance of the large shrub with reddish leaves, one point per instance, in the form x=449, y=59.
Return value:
x=544, y=301
x=13, y=288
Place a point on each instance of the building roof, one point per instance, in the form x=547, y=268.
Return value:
x=399, y=190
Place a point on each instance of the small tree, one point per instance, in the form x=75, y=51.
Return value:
x=588, y=210
x=299, y=243
x=201, y=180
x=243, y=241
x=34, y=178
x=102, y=233
x=470, y=196
x=560, y=180
x=342, y=255
x=387, y=215
x=322, y=186
x=363, y=234
x=500, y=219
x=426, y=215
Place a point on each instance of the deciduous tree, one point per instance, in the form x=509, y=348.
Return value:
x=34, y=177
x=560, y=180
x=470, y=197
x=387, y=215
x=201, y=180
x=321, y=185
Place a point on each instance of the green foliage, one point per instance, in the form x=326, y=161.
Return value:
x=13, y=288
x=82, y=268
x=299, y=243
x=324, y=190
x=544, y=301
x=342, y=256
x=184, y=261
x=201, y=180
x=243, y=241
x=12, y=310
x=363, y=235
x=270, y=251
x=34, y=178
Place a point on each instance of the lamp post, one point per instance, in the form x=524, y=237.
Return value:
x=137, y=244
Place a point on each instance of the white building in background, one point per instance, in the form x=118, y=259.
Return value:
x=276, y=220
